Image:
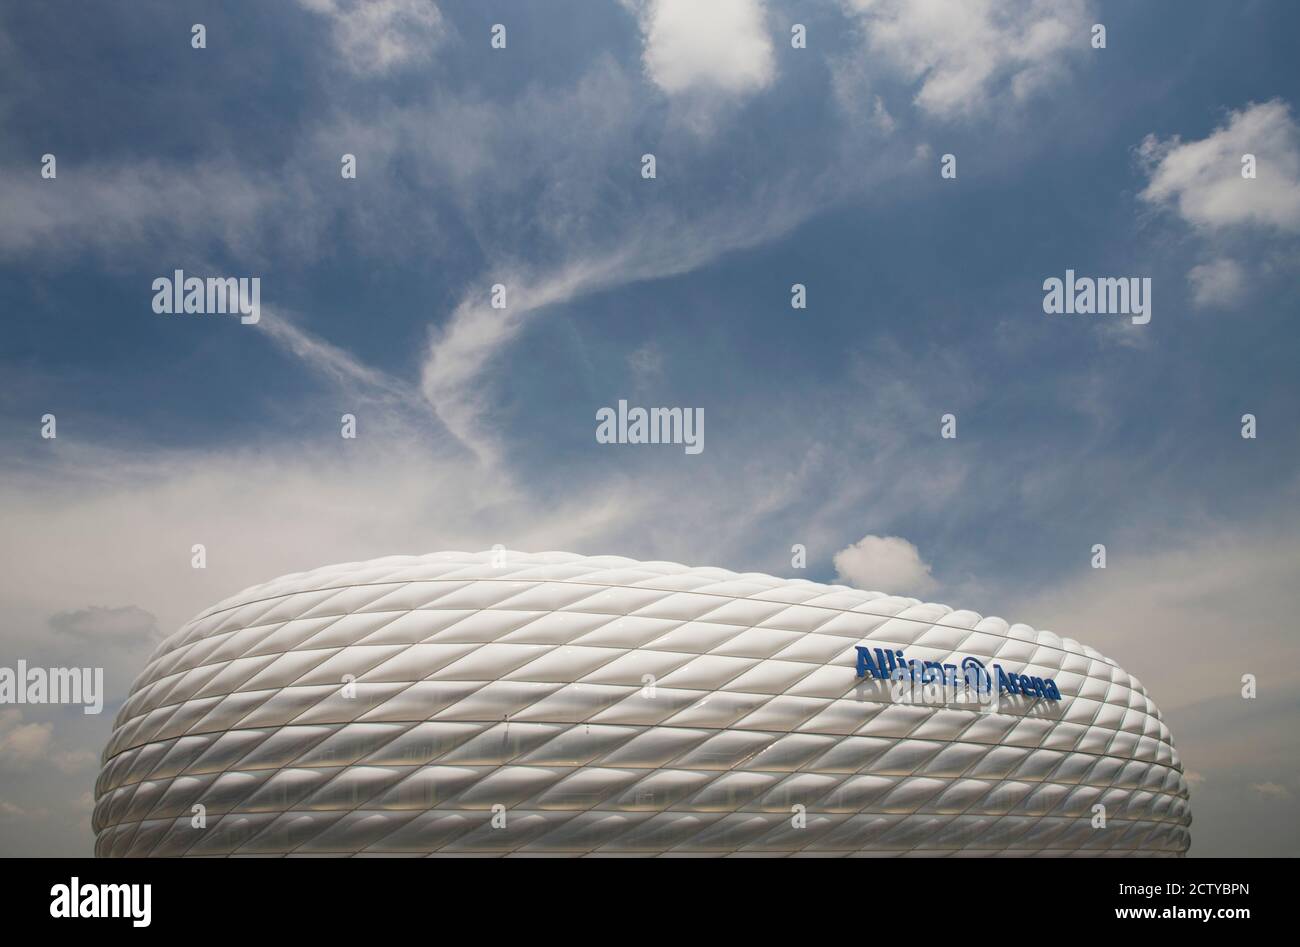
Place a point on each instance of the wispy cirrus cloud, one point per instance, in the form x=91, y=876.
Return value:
x=374, y=37
x=454, y=375
x=336, y=364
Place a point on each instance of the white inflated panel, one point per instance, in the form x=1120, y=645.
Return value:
x=537, y=704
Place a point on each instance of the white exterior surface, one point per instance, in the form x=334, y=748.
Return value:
x=616, y=707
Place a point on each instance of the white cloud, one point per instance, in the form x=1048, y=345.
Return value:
x=1167, y=614
x=9, y=810
x=377, y=36
x=460, y=351
x=1201, y=180
x=1217, y=283
x=1273, y=790
x=358, y=380
x=884, y=564
x=74, y=761
x=1190, y=617
x=718, y=45
x=852, y=85
x=459, y=150
x=118, y=207
x=965, y=53
x=22, y=742
x=653, y=246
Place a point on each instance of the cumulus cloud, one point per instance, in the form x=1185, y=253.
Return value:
x=962, y=54
x=884, y=564
x=22, y=742
x=1217, y=283
x=721, y=45
x=1201, y=181
x=378, y=36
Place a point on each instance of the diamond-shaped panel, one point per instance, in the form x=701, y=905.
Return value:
x=512, y=703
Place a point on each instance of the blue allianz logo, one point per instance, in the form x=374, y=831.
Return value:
x=888, y=664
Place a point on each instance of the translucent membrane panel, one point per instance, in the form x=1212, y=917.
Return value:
x=510, y=703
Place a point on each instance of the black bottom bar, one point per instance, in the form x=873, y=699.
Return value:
x=596, y=897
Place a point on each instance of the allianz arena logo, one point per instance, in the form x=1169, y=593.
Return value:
x=974, y=683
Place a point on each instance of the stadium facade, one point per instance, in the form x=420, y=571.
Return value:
x=504, y=703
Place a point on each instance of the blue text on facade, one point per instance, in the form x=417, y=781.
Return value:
x=887, y=664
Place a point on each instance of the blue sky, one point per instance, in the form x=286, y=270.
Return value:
x=775, y=166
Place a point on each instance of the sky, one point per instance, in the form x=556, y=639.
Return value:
x=775, y=163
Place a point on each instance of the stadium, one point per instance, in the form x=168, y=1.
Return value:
x=550, y=704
